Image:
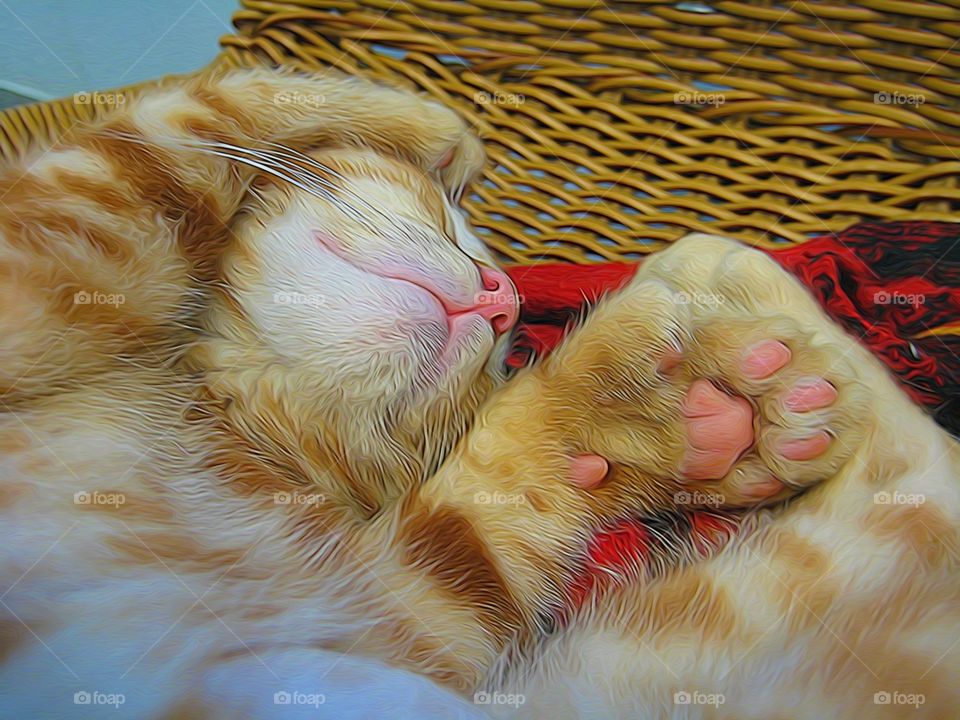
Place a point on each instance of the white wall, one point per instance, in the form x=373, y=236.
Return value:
x=52, y=48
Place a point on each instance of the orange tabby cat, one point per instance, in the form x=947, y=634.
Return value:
x=242, y=336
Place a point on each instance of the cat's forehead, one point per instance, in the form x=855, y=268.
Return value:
x=355, y=184
x=378, y=210
x=383, y=182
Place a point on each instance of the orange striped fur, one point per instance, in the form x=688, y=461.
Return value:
x=230, y=453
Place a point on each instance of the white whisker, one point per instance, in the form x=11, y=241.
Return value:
x=276, y=162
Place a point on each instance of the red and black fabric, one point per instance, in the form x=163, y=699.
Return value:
x=894, y=286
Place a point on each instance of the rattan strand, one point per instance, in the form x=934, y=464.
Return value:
x=614, y=128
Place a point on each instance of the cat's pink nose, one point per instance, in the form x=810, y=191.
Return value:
x=498, y=301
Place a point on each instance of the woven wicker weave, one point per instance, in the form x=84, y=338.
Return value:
x=616, y=127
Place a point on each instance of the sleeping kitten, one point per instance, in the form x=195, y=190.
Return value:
x=170, y=485
x=227, y=399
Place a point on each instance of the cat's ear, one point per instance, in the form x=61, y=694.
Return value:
x=460, y=164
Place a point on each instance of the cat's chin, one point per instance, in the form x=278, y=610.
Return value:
x=465, y=353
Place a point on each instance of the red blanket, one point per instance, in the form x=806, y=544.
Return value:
x=895, y=286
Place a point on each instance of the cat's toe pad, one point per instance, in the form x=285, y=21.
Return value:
x=810, y=394
x=806, y=448
x=763, y=361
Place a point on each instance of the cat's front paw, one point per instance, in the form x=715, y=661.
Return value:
x=713, y=379
x=765, y=416
x=775, y=401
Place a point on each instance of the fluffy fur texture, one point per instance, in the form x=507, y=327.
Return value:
x=237, y=329
x=841, y=603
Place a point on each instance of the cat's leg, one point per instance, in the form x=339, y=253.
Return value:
x=482, y=553
x=106, y=234
x=846, y=598
x=601, y=430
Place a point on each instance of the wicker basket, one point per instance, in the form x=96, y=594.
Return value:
x=616, y=127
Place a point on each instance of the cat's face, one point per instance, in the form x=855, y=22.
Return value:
x=376, y=302
x=383, y=289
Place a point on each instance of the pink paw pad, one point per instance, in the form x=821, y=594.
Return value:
x=588, y=471
x=719, y=431
x=763, y=489
x=812, y=394
x=805, y=448
x=764, y=359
